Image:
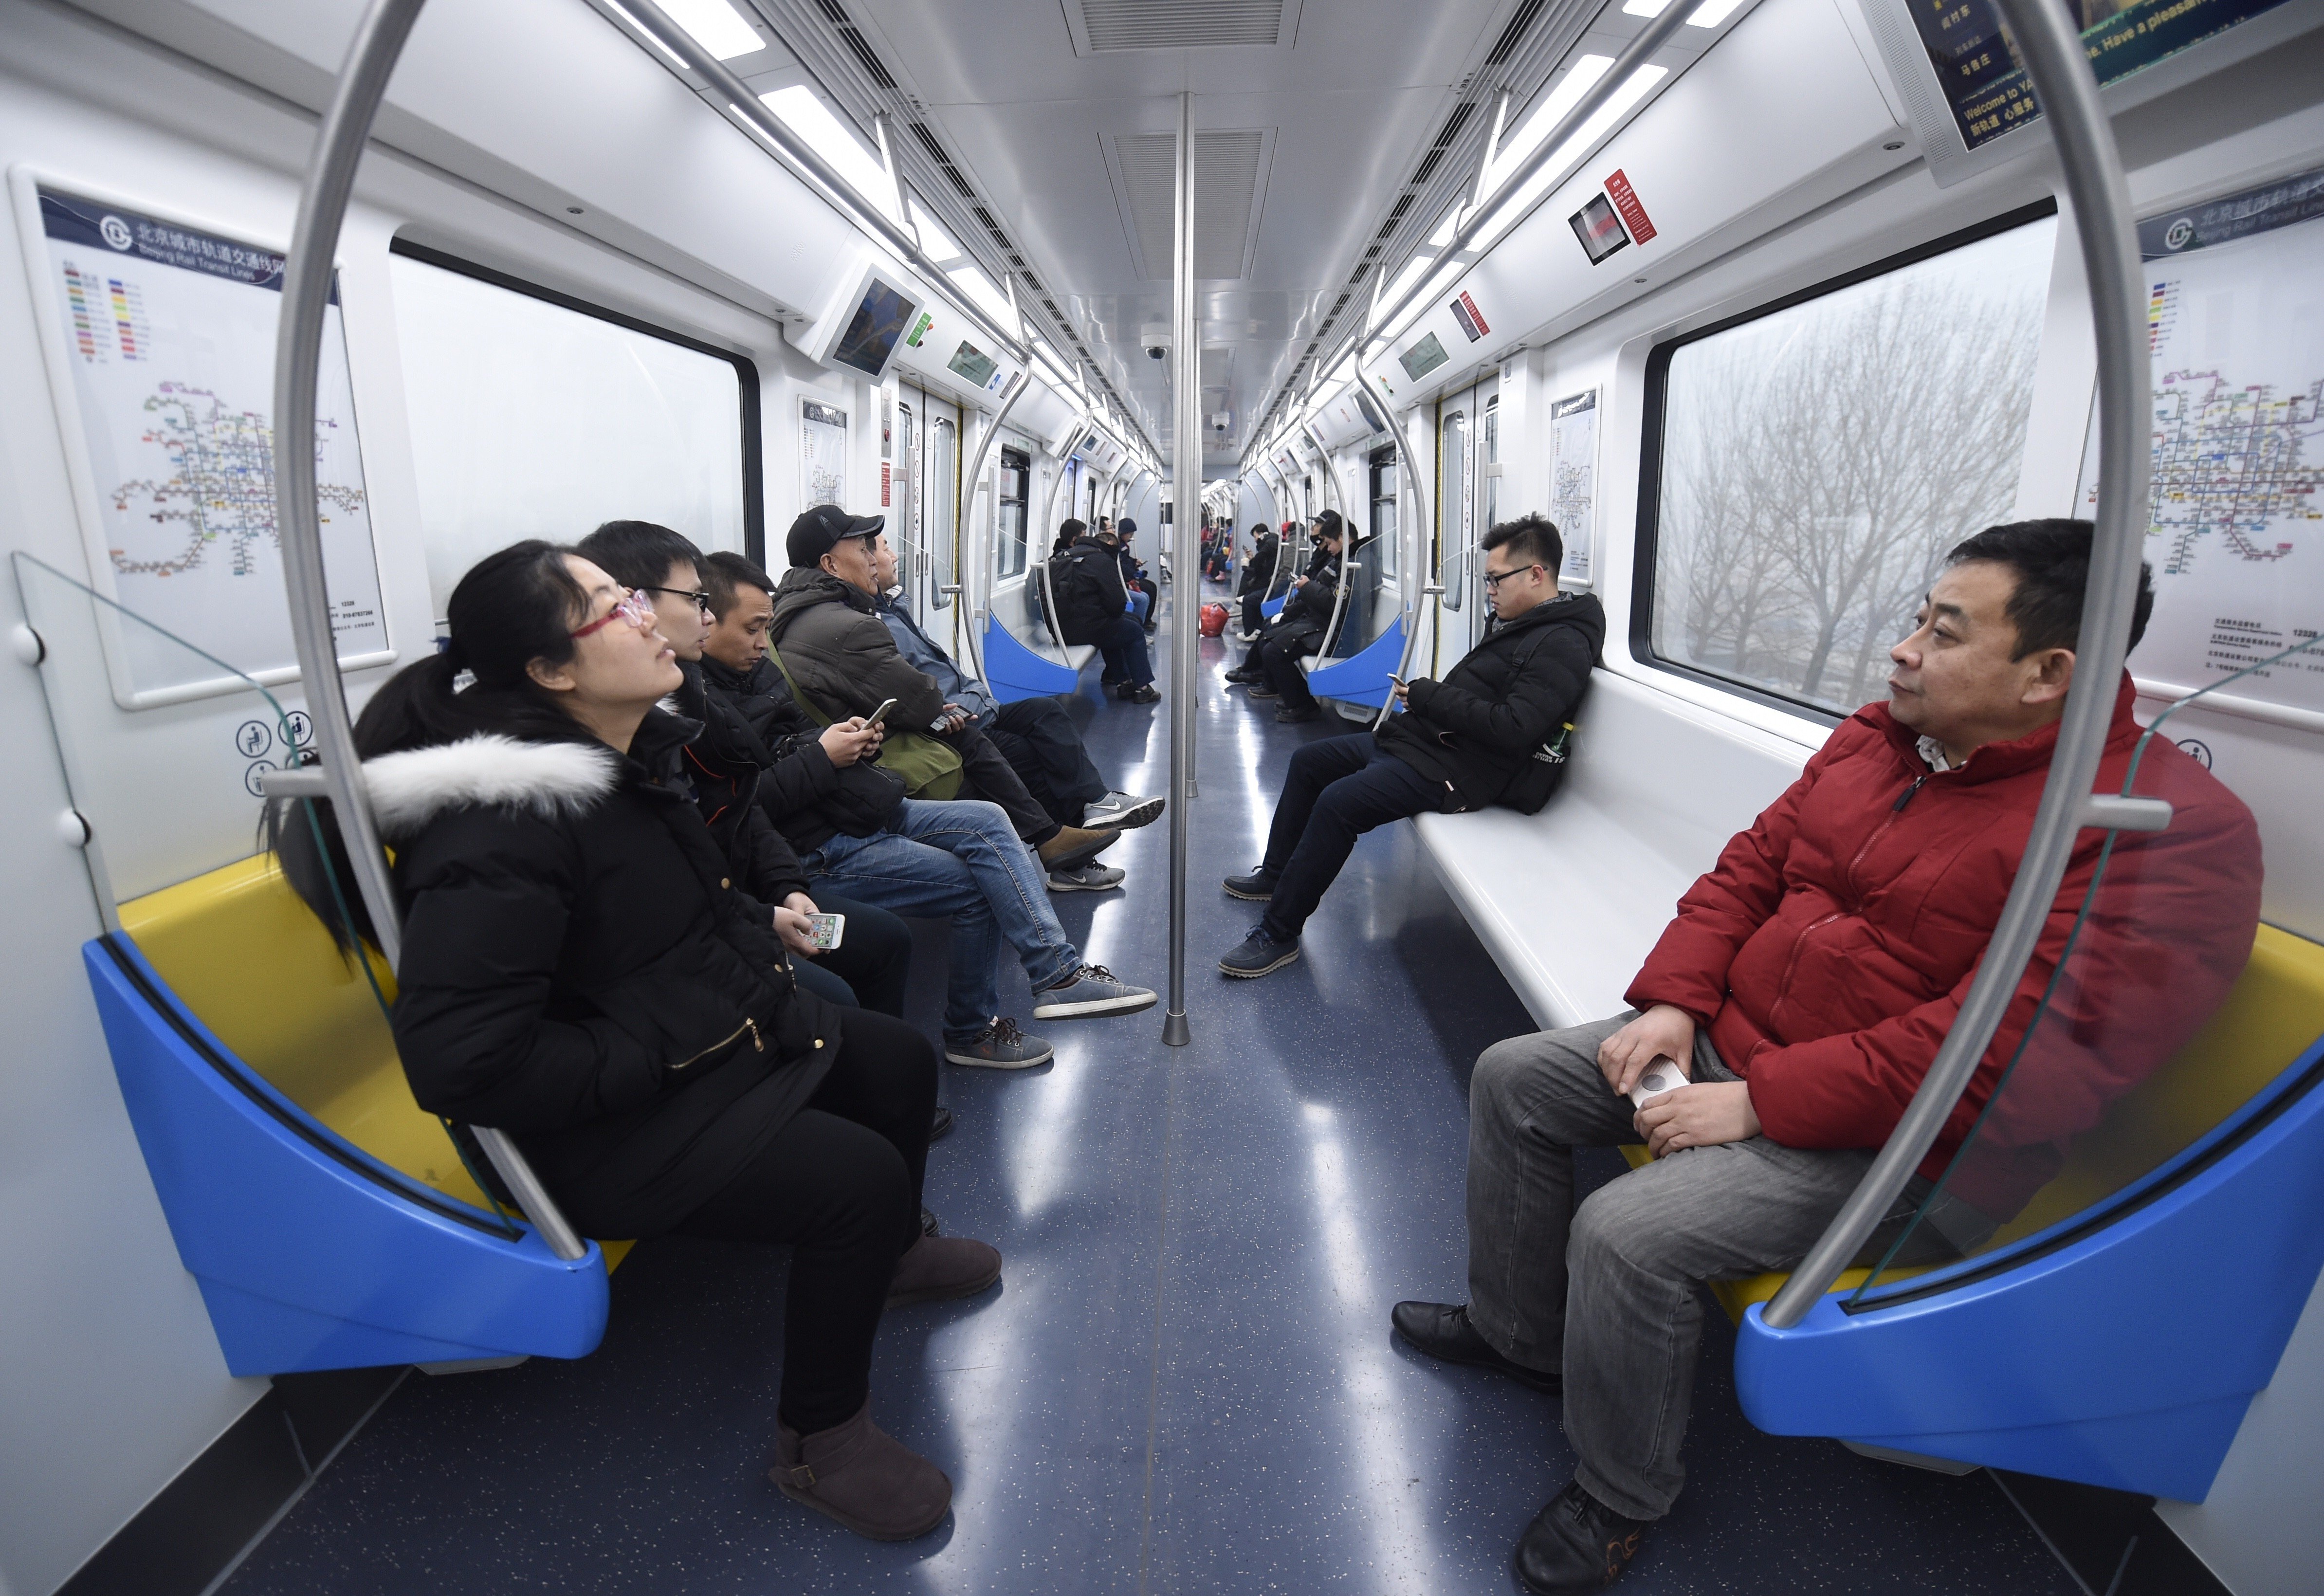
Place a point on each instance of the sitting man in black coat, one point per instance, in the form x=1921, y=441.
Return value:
x=1093, y=607
x=1271, y=670
x=1492, y=732
x=1258, y=576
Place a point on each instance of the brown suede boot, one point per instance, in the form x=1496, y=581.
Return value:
x=863, y=1477
x=936, y=1267
x=1076, y=844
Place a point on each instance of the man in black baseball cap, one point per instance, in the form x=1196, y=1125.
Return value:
x=820, y=529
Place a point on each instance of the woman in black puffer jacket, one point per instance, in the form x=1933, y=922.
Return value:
x=579, y=971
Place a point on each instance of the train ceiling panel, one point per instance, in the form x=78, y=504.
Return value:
x=1227, y=168
x=1099, y=25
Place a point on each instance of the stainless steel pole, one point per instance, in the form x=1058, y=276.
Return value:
x=2051, y=51
x=1422, y=602
x=1185, y=496
x=306, y=276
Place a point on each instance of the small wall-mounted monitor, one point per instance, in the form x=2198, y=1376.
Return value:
x=1424, y=357
x=1599, y=228
x=973, y=365
x=869, y=341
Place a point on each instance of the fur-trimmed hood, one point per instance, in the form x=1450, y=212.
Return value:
x=551, y=780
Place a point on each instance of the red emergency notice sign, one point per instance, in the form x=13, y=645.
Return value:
x=1625, y=202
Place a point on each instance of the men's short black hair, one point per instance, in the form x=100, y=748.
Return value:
x=1532, y=538
x=1332, y=524
x=1071, y=530
x=722, y=574
x=2051, y=559
x=637, y=553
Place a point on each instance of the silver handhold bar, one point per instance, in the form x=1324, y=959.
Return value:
x=307, y=272
x=1421, y=609
x=982, y=563
x=2068, y=93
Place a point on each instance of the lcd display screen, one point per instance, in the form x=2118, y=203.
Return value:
x=1424, y=357
x=872, y=335
x=1986, y=88
x=972, y=362
x=1599, y=228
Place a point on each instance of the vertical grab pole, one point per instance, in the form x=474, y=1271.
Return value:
x=2067, y=92
x=307, y=274
x=1412, y=475
x=1185, y=495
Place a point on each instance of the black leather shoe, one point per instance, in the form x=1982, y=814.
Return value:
x=1577, y=1544
x=1443, y=1330
x=940, y=1126
x=1242, y=675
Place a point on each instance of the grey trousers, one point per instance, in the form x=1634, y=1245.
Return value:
x=1609, y=1292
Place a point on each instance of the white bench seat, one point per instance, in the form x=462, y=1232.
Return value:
x=1570, y=901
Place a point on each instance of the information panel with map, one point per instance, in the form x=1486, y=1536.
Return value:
x=2235, y=321
x=1573, y=481
x=161, y=337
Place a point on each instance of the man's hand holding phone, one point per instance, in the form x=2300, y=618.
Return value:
x=848, y=741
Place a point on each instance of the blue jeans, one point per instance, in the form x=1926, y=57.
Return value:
x=1141, y=603
x=960, y=860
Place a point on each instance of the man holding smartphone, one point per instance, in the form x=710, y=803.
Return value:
x=1461, y=744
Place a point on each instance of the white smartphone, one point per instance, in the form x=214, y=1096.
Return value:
x=824, y=930
x=1665, y=1074
x=1398, y=680
x=880, y=714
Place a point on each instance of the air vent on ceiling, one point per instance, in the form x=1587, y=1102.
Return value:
x=1226, y=177
x=1100, y=26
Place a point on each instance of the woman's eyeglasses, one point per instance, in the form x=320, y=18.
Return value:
x=1495, y=578
x=701, y=599
x=633, y=607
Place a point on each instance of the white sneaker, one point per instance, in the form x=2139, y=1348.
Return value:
x=1092, y=876
x=1091, y=989
x=1122, y=811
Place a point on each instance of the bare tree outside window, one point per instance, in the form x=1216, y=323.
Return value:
x=1818, y=463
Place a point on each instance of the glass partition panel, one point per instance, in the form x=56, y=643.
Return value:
x=1453, y=484
x=1384, y=480
x=2148, y=1030
x=170, y=800
x=1009, y=534
x=905, y=532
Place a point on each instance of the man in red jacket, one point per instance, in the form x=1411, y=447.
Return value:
x=1804, y=988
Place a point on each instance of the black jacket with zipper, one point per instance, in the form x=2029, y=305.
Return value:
x=579, y=971
x=1090, y=597
x=1475, y=730
x=809, y=799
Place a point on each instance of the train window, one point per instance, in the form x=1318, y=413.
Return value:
x=1383, y=502
x=1008, y=530
x=1453, y=504
x=940, y=492
x=533, y=415
x=1492, y=461
x=1817, y=459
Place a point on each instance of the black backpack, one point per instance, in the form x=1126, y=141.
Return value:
x=1084, y=601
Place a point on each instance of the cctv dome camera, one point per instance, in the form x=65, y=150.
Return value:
x=1156, y=351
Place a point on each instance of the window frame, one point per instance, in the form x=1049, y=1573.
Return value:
x=1002, y=541
x=746, y=371
x=1644, y=570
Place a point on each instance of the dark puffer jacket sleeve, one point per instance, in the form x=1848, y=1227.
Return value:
x=491, y=896
x=1536, y=702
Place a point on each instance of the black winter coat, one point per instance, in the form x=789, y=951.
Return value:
x=809, y=798
x=1087, y=580
x=579, y=971
x=727, y=766
x=1475, y=730
x=1258, y=566
x=1306, y=612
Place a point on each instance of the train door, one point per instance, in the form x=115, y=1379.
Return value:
x=904, y=532
x=940, y=501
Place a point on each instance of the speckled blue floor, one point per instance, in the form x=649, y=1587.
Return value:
x=1187, y=1383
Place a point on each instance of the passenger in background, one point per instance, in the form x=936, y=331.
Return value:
x=1805, y=990
x=840, y=661
x=1094, y=608
x=1472, y=739
x=1258, y=576
x=1134, y=579
x=1036, y=735
x=577, y=973
x=1271, y=670
x=854, y=829
x=725, y=765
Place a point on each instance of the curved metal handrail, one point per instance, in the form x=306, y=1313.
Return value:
x=1048, y=509
x=2067, y=92
x=980, y=570
x=307, y=272
x=1412, y=479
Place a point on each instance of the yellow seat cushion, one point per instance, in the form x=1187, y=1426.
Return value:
x=2272, y=1015
x=245, y=956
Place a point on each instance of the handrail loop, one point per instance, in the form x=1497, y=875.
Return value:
x=307, y=274
x=982, y=564
x=2091, y=164
x=1413, y=478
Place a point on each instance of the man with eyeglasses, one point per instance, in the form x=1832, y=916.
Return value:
x=1491, y=732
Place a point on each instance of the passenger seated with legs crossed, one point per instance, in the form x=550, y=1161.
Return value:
x=1037, y=736
x=827, y=639
x=856, y=833
x=1094, y=608
x=1492, y=732
x=577, y=973
x=1804, y=989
